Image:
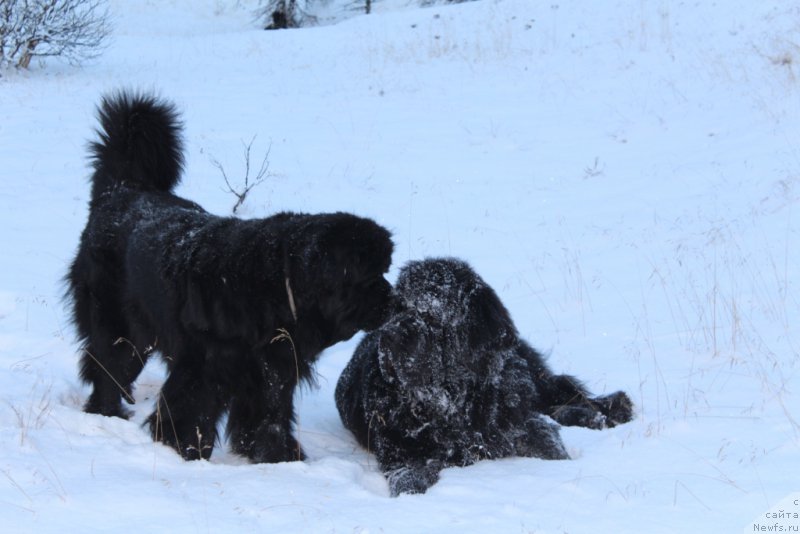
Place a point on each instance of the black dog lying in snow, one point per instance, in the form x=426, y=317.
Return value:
x=448, y=382
x=240, y=309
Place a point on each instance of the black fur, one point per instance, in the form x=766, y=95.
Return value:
x=239, y=309
x=447, y=382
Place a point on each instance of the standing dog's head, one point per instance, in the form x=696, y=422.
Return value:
x=337, y=272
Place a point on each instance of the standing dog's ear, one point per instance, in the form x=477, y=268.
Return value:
x=488, y=321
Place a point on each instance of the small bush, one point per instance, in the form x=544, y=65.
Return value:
x=282, y=14
x=72, y=29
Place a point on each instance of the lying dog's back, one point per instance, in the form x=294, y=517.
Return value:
x=447, y=381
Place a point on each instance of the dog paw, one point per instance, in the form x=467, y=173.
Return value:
x=413, y=479
x=109, y=409
x=269, y=444
x=617, y=408
x=587, y=416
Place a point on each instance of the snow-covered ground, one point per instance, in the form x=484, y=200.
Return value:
x=625, y=174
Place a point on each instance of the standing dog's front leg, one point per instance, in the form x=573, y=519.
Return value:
x=188, y=408
x=261, y=418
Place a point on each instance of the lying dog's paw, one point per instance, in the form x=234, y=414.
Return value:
x=413, y=479
x=617, y=408
x=587, y=416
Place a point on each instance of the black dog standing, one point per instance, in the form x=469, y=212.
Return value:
x=239, y=309
x=447, y=382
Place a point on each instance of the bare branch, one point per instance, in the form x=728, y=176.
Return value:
x=260, y=177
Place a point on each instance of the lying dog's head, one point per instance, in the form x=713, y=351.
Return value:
x=449, y=294
x=451, y=318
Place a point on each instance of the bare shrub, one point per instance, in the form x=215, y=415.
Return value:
x=248, y=182
x=283, y=14
x=72, y=29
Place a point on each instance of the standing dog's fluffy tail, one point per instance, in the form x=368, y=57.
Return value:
x=140, y=144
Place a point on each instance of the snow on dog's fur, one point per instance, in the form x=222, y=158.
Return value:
x=447, y=382
x=239, y=309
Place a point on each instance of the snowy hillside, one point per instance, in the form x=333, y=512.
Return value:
x=625, y=174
